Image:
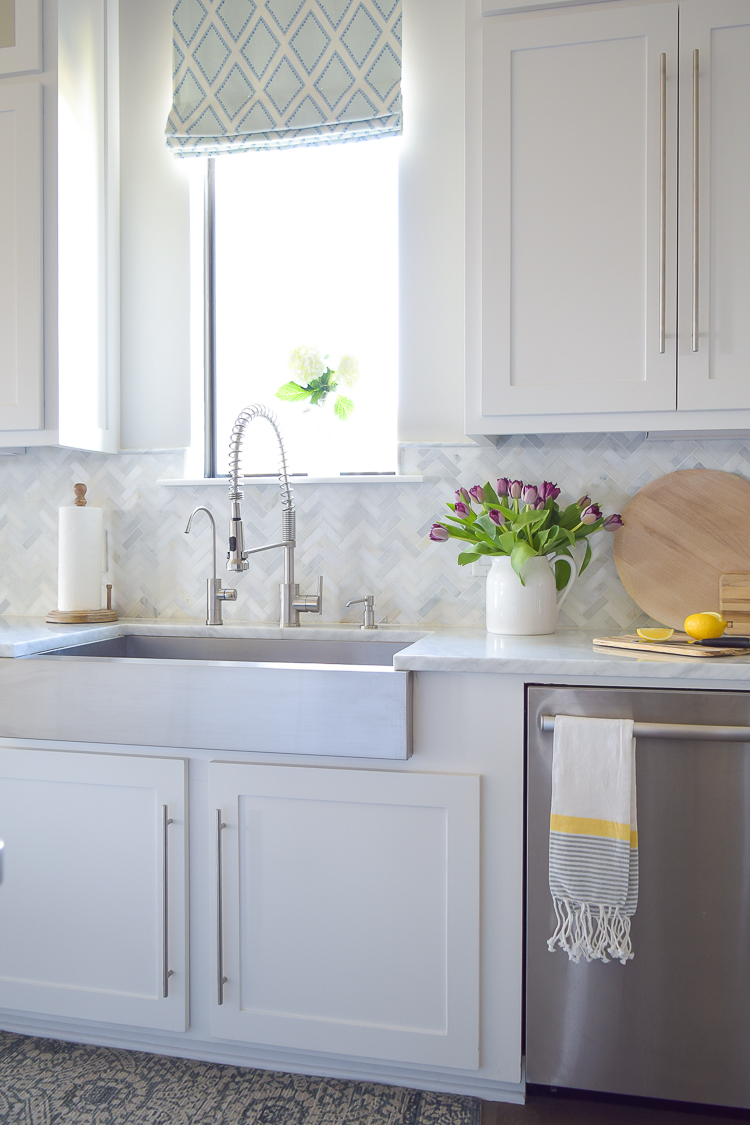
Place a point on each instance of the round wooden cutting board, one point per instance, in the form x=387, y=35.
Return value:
x=681, y=533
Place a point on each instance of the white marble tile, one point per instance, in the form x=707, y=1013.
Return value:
x=365, y=538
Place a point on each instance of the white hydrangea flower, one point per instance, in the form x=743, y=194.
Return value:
x=347, y=371
x=306, y=363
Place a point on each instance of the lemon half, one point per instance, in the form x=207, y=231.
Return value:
x=655, y=634
x=703, y=625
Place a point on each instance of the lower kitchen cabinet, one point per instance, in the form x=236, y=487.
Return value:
x=93, y=901
x=347, y=911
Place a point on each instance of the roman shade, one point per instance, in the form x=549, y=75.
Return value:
x=250, y=74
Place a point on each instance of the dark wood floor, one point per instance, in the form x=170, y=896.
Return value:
x=551, y=1109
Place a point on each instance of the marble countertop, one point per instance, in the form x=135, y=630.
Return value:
x=568, y=653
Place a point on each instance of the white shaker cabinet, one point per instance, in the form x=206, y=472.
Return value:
x=582, y=312
x=714, y=280
x=93, y=903
x=578, y=306
x=347, y=911
x=59, y=219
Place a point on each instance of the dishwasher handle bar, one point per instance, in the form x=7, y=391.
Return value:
x=692, y=731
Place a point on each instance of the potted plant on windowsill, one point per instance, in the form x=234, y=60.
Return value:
x=318, y=386
x=529, y=540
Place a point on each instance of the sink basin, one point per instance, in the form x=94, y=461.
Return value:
x=334, y=697
x=254, y=649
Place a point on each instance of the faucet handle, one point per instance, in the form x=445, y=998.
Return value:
x=309, y=603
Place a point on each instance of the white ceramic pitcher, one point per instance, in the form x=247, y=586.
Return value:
x=528, y=610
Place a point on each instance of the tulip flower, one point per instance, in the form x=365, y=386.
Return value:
x=496, y=517
x=462, y=496
x=549, y=491
x=539, y=505
x=438, y=533
x=503, y=485
x=591, y=514
x=613, y=522
x=584, y=502
x=462, y=510
x=530, y=494
x=515, y=488
x=478, y=493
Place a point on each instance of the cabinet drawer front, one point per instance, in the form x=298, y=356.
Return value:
x=573, y=279
x=93, y=893
x=349, y=911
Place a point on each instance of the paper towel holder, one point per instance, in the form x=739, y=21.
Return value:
x=83, y=616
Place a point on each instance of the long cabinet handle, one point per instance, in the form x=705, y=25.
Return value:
x=696, y=189
x=2, y=849
x=221, y=980
x=663, y=203
x=165, y=969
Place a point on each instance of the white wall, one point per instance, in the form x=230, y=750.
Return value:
x=155, y=294
x=431, y=399
x=154, y=268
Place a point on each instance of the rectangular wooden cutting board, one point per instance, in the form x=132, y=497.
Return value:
x=678, y=645
x=734, y=602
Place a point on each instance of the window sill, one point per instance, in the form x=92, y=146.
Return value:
x=223, y=482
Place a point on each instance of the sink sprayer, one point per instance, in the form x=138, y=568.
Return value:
x=292, y=604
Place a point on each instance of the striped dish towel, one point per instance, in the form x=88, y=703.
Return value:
x=593, y=839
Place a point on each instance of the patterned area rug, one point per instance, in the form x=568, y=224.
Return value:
x=46, y=1082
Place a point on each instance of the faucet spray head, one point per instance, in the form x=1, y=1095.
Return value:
x=236, y=557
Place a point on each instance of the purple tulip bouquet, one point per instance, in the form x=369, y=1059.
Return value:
x=522, y=520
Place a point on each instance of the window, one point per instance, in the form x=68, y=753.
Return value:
x=306, y=253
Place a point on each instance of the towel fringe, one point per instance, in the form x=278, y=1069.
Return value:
x=591, y=931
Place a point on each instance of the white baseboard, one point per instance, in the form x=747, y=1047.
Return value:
x=263, y=1058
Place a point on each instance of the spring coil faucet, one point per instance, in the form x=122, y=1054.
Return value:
x=292, y=604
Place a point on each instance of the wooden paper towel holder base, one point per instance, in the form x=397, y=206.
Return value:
x=83, y=616
x=80, y=616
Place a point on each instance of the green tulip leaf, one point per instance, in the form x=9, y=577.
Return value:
x=490, y=496
x=586, y=558
x=562, y=573
x=521, y=554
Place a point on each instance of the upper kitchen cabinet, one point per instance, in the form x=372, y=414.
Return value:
x=714, y=277
x=20, y=256
x=573, y=275
x=59, y=237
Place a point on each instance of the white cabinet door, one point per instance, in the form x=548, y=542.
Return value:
x=714, y=361
x=93, y=893
x=21, y=256
x=579, y=138
x=348, y=913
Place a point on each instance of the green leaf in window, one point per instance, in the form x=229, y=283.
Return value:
x=293, y=392
x=343, y=407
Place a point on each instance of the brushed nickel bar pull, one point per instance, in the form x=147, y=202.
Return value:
x=696, y=188
x=2, y=850
x=166, y=971
x=221, y=980
x=689, y=731
x=663, y=204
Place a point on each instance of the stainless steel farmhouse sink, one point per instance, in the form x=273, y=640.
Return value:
x=256, y=649
x=271, y=695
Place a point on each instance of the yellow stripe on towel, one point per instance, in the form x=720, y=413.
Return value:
x=589, y=826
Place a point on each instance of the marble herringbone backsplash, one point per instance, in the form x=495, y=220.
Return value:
x=369, y=538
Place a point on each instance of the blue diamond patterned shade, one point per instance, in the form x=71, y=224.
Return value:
x=257, y=74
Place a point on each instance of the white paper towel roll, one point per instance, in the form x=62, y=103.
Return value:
x=79, y=559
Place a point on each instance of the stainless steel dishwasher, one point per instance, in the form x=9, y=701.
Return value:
x=675, y=1021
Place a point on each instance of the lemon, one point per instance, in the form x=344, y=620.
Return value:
x=703, y=625
x=655, y=634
